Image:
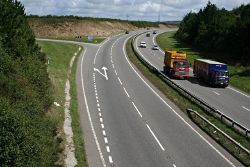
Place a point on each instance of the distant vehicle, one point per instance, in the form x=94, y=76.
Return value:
x=154, y=32
x=148, y=34
x=212, y=72
x=127, y=32
x=176, y=64
x=143, y=45
x=155, y=47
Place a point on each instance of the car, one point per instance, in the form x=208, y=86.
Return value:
x=148, y=35
x=154, y=32
x=127, y=32
x=155, y=47
x=143, y=45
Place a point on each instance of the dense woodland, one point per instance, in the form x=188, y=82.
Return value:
x=220, y=31
x=27, y=134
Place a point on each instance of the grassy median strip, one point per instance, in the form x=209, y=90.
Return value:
x=183, y=103
x=239, y=75
x=59, y=55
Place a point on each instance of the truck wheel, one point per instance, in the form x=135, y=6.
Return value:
x=165, y=71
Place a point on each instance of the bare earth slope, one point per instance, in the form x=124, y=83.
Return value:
x=81, y=27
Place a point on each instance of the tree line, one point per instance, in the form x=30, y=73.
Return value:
x=27, y=133
x=219, y=30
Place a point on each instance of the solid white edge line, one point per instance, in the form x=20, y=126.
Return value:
x=238, y=92
x=126, y=92
x=137, y=109
x=203, y=138
x=89, y=116
x=245, y=108
x=115, y=72
x=163, y=149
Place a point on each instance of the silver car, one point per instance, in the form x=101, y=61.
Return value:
x=143, y=45
x=155, y=47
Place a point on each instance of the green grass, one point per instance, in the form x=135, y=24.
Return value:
x=183, y=103
x=96, y=39
x=59, y=58
x=239, y=76
x=78, y=139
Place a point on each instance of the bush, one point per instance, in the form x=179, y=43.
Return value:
x=27, y=133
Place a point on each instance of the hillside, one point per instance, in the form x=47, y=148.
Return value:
x=58, y=26
x=43, y=28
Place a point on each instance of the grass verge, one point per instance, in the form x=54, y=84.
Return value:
x=183, y=103
x=95, y=40
x=239, y=75
x=60, y=55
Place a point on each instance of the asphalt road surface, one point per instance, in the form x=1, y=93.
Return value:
x=229, y=101
x=127, y=122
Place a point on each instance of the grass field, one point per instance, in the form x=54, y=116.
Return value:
x=59, y=55
x=95, y=40
x=239, y=76
x=184, y=103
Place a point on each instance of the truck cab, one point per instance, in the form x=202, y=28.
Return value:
x=176, y=64
x=219, y=78
x=180, y=69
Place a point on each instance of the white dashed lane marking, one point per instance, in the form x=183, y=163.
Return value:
x=110, y=160
x=119, y=80
x=104, y=133
x=163, y=149
x=216, y=93
x=137, y=109
x=108, y=149
x=106, y=140
x=101, y=122
x=245, y=108
x=102, y=125
x=126, y=92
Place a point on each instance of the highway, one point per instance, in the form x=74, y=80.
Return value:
x=127, y=122
x=229, y=101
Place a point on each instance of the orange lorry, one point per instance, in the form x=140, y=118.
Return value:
x=176, y=64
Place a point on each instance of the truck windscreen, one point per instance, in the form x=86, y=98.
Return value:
x=182, y=64
x=221, y=74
